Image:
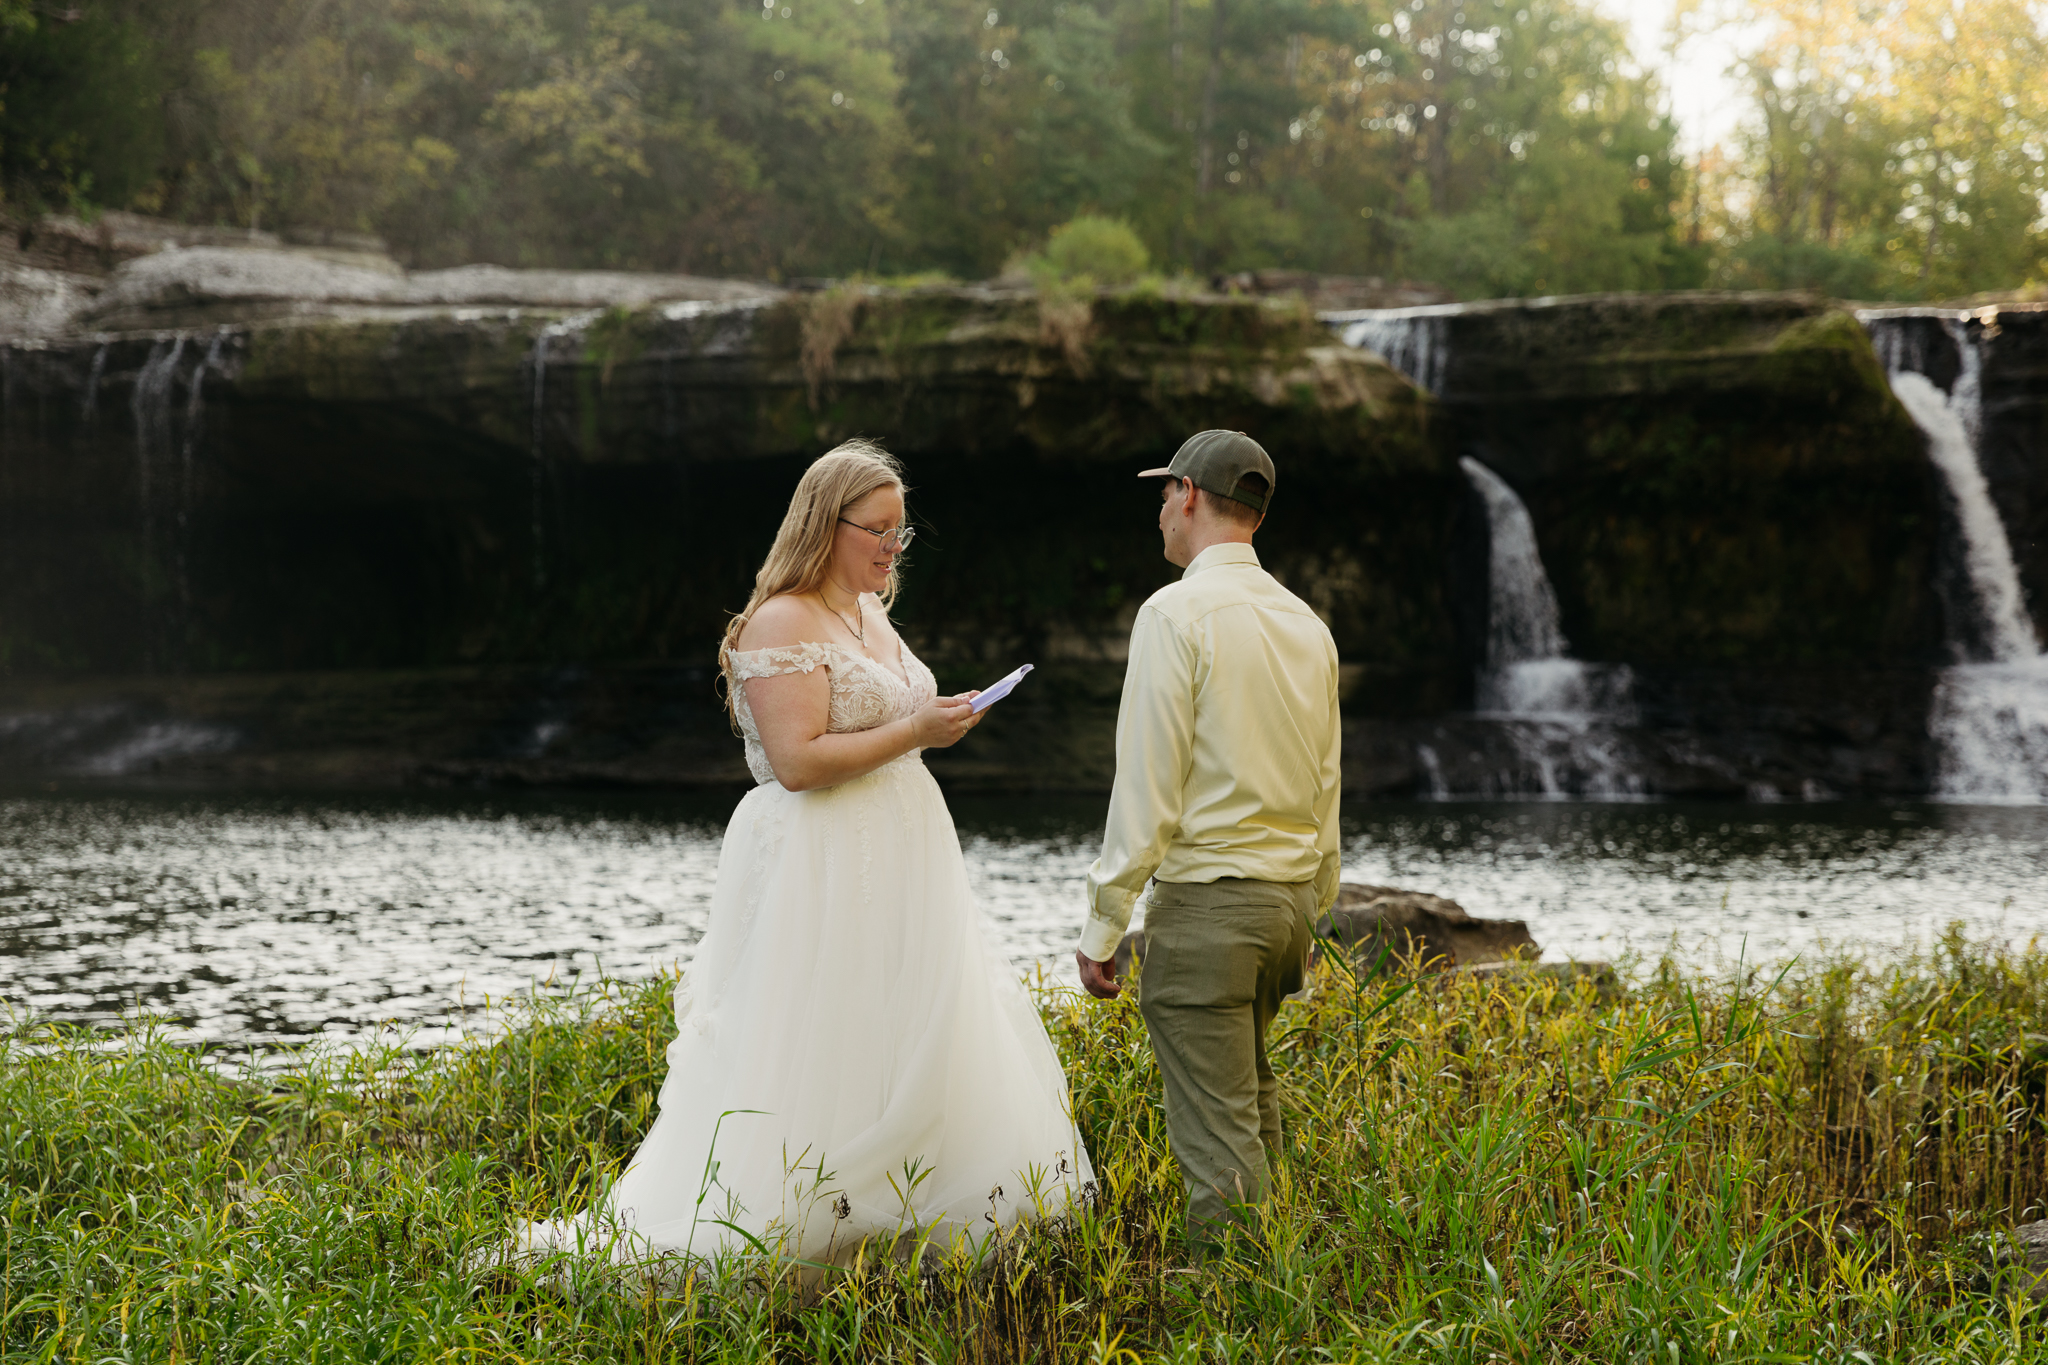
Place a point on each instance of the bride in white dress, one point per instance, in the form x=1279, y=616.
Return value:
x=853, y=1056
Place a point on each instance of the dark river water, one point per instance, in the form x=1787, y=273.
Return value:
x=255, y=919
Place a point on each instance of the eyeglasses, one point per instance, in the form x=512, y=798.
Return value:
x=897, y=539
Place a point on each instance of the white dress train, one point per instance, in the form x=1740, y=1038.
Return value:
x=854, y=1056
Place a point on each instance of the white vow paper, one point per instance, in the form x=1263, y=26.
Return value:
x=1000, y=688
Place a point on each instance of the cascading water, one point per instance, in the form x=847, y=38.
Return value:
x=543, y=342
x=195, y=415
x=1989, y=717
x=166, y=478
x=1415, y=341
x=1559, y=715
x=194, y=402
x=156, y=498
x=89, y=409
x=1561, y=712
x=1996, y=602
x=539, y=462
x=1521, y=615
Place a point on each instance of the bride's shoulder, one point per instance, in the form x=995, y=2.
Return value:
x=782, y=636
x=785, y=620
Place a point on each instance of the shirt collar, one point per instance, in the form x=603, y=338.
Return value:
x=1229, y=552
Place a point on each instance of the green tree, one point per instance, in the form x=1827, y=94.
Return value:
x=1019, y=118
x=1493, y=146
x=1893, y=153
x=1496, y=147
x=80, y=103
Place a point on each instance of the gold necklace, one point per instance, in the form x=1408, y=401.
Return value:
x=860, y=632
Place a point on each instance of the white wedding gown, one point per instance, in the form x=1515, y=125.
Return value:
x=853, y=1056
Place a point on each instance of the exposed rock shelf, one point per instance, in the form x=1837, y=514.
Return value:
x=232, y=463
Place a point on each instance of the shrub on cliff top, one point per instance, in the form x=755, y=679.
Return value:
x=1085, y=252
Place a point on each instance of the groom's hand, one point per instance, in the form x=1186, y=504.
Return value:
x=1098, y=978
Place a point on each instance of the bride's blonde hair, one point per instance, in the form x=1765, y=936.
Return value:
x=796, y=562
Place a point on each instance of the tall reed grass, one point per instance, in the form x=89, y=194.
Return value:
x=1795, y=1165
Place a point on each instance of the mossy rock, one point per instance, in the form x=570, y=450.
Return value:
x=1714, y=479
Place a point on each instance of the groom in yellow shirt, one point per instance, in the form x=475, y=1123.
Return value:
x=1226, y=800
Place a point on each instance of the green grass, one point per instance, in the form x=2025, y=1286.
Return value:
x=1799, y=1167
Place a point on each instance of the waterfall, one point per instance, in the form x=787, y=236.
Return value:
x=1436, y=789
x=188, y=482
x=1997, y=603
x=1561, y=713
x=1415, y=341
x=1529, y=670
x=1521, y=609
x=669, y=426
x=538, y=465
x=194, y=405
x=89, y=409
x=1989, y=718
x=151, y=405
x=166, y=481
x=1558, y=713
x=543, y=342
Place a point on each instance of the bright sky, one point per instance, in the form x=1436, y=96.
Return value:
x=1706, y=103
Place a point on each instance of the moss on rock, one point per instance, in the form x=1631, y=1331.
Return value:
x=1761, y=501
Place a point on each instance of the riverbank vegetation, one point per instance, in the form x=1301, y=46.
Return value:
x=1493, y=147
x=1811, y=1164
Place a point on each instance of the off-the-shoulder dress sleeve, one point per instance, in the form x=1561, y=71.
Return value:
x=768, y=663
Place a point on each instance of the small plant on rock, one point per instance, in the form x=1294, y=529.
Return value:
x=1083, y=254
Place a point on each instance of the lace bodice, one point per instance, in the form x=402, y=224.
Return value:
x=865, y=693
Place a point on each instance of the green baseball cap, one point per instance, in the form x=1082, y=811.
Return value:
x=1217, y=461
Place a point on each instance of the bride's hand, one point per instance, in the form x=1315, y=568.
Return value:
x=941, y=724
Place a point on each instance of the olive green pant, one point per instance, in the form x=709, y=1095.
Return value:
x=1218, y=959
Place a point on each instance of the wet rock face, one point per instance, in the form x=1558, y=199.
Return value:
x=1729, y=734
x=470, y=468
x=2014, y=449
x=1714, y=479
x=643, y=725
x=1509, y=351
x=250, y=461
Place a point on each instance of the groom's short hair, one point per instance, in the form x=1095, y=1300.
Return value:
x=1230, y=509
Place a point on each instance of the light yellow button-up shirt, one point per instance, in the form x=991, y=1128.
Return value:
x=1227, y=743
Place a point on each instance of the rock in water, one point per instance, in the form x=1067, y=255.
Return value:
x=1436, y=932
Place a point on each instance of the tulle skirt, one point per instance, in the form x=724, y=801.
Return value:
x=854, y=1057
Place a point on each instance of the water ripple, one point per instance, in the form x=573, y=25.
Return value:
x=267, y=919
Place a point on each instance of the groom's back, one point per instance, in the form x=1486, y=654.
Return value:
x=1263, y=673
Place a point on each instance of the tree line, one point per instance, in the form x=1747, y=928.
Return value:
x=1493, y=147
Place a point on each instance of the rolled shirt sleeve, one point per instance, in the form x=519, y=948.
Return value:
x=1155, y=736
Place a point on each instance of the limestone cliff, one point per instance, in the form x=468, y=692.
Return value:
x=233, y=478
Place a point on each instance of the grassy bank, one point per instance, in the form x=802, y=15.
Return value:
x=1755, y=1166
